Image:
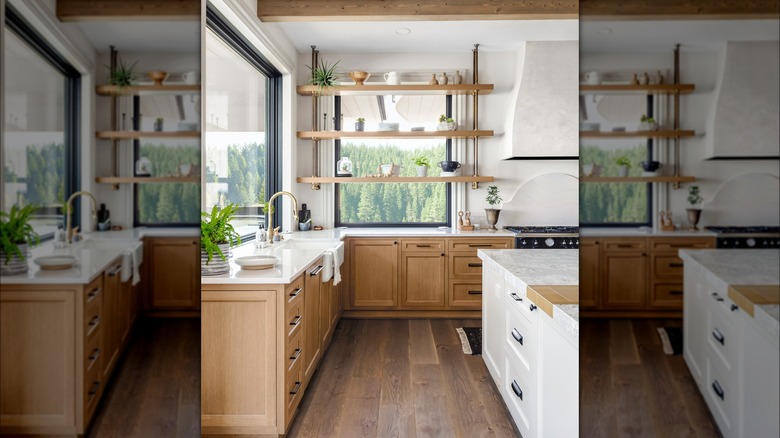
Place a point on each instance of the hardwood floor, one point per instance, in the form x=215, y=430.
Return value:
x=630, y=388
x=401, y=378
x=155, y=390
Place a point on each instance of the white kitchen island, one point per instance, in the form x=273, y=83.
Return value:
x=731, y=332
x=530, y=336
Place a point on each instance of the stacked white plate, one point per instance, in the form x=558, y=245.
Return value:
x=56, y=262
x=256, y=262
x=388, y=126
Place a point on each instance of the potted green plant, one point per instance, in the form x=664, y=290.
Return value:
x=623, y=165
x=422, y=164
x=217, y=236
x=323, y=75
x=360, y=124
x=122, y=76
x=158, y=124
x=446, y=123
x=493, y=199
x=16, y=236
x=647, y=123
x=694, y=211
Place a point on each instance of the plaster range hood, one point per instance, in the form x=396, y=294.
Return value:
x=744, y=120
x=543, y=123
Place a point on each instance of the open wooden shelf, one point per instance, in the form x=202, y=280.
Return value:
x=141, y=90
x=645, y=179
x=124, y=135
x=637, y=134
x=332, y=135
x=637, y=89
x=146, y=179
x=394, y=179
x=370, y=89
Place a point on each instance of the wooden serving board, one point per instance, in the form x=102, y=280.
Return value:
x=545, y=297
x=748, y=296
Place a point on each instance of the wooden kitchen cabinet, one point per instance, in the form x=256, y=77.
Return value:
x=423, y=273
x=312, y=320
x=373, y=273
x=666, y=267
x=590, y=272
x=114, y=318
x=173, y=272
x=624, y=273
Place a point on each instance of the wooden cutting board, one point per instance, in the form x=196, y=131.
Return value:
x=545, y=297
x=748, y=296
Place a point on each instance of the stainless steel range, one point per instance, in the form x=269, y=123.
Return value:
x=559, y=237
x=755, y=237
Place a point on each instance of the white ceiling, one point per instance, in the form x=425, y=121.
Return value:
x=425, y=36
x=661, y=36
x=151, y=37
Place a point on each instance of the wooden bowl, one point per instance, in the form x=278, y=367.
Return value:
x=158, y=76
x=359, y=76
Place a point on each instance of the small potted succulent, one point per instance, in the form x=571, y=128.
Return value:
x=623, y=165
x=16, y=237
x=217, y=236
x=446, y=123
x=158, y=124
x=422, y=164
x=494, y=200
x=694, y=211
x=647, y=123
x=360, y=124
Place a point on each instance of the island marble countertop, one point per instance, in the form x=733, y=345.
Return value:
x=539, y=267
x=641, y=232
x=733, y=267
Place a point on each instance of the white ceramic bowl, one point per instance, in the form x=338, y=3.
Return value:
x=55, y=262
x=257, y=261
x=388, y=126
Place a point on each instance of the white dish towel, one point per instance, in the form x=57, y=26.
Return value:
x=131, y=260
x=337, y=252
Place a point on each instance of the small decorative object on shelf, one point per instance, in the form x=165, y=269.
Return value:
x=623, y=165
x=217, y=236
x=17, y=237
x=344, y=167
x=360, y=124
x=446, y=123
x=449, y=168
x=645, y=79
x=458, y=78
x=143, y=167
x=666, y=221
x=389, y=169
x=591, y=169
x=659, y=78
x=433, y=80
x=493, y=199
x=694, y=212
x=650, y=168
x=359, y=76
x=422, y=165
x=158, y=76
x=465, y=224
x=191, y=77
x=647, y=123
x=323, y=75
x=392, y=78
x=634, y=80
x=592, y=78
x=443, y=79
x=158, y=124
x=121, y=75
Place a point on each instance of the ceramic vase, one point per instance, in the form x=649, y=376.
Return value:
x=216, y=266
x=694, y=214
x=433, y=80
x=457, y=79
x=622, y=171
x=360, y=126
x=443, y=79
x=492, y=218
x=15, y=265
x=422, y=170
x=158, y=125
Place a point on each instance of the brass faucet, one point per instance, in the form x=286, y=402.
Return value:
x=68, y=215
x=271, y=217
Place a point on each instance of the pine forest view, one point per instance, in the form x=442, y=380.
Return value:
x=168, y=203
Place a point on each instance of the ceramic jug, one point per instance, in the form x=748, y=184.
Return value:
x=191, y=77
x=392, y=78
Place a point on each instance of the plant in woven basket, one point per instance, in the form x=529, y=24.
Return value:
x=15, y=230
x=215, y=229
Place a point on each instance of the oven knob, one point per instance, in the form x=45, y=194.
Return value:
x=572, y=243
x=751, y=242
x=536, y=243
x=522, y=242
x=736, y=243
x=549, y=242
x=563, y=242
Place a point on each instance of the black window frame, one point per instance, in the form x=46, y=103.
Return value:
x=448, y=186
x=72, y=104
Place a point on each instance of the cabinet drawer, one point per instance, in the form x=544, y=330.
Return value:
x=465, y=265
x=94, y=295
x=626, y=244
x=423, y=245
x=521, y=340
x=672, y=245
x=465, y=294
x=92, y=322
x=520, y=398
x=293, y=389
x=294, y=292
x=467, y=244
x=722, y=340
x=667, y=266
x=93, y=387
x=722, y=395
x=294, y=319
x=667, y=295
x=520, y=303
x=92, y=353
x=293, y=352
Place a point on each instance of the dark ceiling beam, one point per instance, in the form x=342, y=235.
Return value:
x=406, y=10
x=128, y=10
x=592, y=10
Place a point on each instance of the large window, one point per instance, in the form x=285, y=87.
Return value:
x=393, y=204
x=243, y=95
x=40, y=126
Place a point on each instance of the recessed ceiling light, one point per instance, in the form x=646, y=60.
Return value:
x=604, y=31
x=403, y=31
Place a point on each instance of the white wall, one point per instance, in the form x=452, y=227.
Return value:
x=701, y=67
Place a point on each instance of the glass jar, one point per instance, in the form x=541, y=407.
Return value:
x=344, y=167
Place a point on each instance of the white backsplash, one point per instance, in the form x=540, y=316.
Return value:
x=546, y=199
x=746, y=199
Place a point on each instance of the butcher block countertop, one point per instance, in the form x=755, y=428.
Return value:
x=547, y=297
x=749, y=296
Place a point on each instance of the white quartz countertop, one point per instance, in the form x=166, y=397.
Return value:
x=141, y=232
x=729, y=267
x=641, y=232
x=341, y=233
x=535, y=267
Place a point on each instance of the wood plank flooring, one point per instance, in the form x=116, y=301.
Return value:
x=630, y=388
x=155, y=390
x=401, y=378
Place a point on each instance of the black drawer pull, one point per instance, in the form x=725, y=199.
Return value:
x=516, y=389
x=624, y=245
x=734, y=307
x=95, y=354
x=718, y=336
x=423, y=246
x=515, y=297
x=716, y=296
x=518, y=337
x=532, y=307
x=675, y=292
x=316, y=270
x=676, y=265
x=296, y=388
x=296, y=292
x=475, y=265
x=296, y=321
x=296, y=354
x=480, y=245
x=115, y=271
x=94, y=389
x=93, y=293
x=718, y=390
x=475, y=292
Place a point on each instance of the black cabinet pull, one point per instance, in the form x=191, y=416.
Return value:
x=515, y=297
x=516, y=389
x=442, y=254
x=95, y=354
x=296, y=320
x=423, y=246
x=624, y=245
x=296, y=388
x=675, y=292
x=734, y=307
x=532, y=307
x=676, y=265
x=295, y=292
x=716, y=296
x=395, y=242
x=477, y=245
x=718, y=336
x=475, y=265
x=316, y=270
x=94, y=389
x=518, y=337
x=296, y=354
x=93, y=293
x=115, y=271
x=718, y=390
x=475, y=292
